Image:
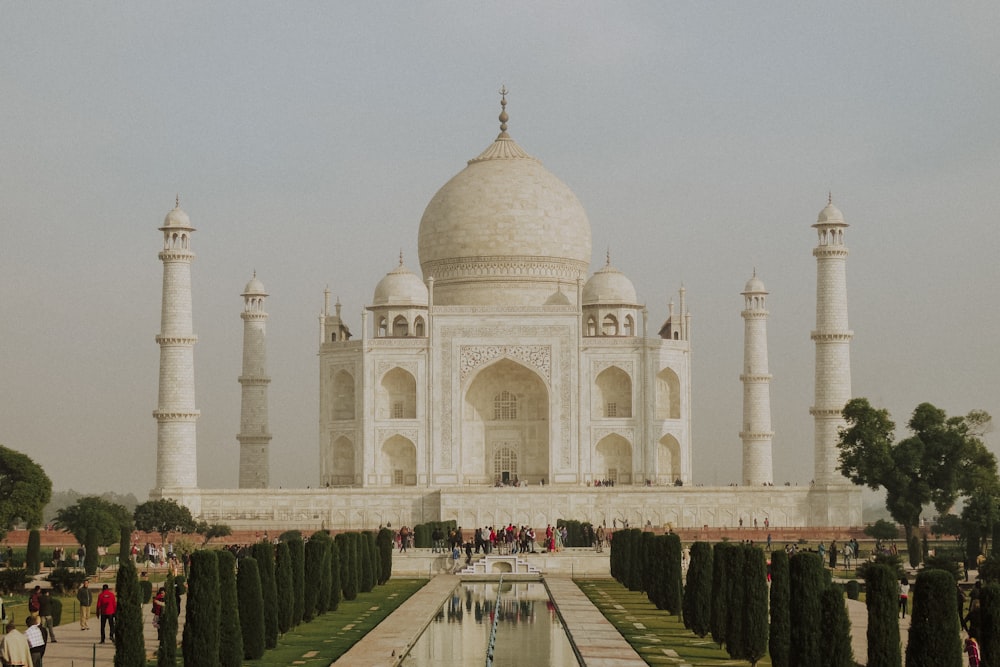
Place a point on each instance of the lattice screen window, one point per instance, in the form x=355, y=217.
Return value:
x=397, y=410
x=612, y=410
x=397, y=477
x=504, y=406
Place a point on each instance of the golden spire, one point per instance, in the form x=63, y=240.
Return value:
x=503, y=111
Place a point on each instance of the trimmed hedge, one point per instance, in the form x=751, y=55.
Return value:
x=935, y=639
x=698, y=591
x=384, y=541
x=882, y=602
x=200, y=644
x=130, y=647
x=33, y=560
x=285, y=582
x=263, y=553
x=166, y=654
x=230, y=631
x=251, y=605
x=779, y=634
x=807, y=580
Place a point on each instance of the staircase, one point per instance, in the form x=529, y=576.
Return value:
x=500, y=564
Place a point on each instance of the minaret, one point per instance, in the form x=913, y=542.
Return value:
x=254, y=435
x=756, y=433
x=176, y=416
x=833, y=343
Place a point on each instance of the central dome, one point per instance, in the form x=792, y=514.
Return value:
x=503, y=231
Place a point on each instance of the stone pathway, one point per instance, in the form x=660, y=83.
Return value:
x=595, y=639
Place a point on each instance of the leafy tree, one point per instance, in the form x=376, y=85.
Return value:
x=163, y=516
x=934, y=629
x=94, y=514
x=130, y=647
x=947, y=524
x=209, y=531
x=230, y=633
x=779, y=639
x=285, y=581
x=25, y=489
x=200, y=643
x=251, y=603
x=166, y=656
x=806, y=583
x=263, y=553
x=882, y=530
x=980, y=517
x=697, y=605
x=944, y=458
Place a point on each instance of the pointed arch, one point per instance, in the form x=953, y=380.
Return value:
x=629, y=326
x=383, y=327
x=591, y=326
x=341, y=463
x=397, y=396
x=613, y=459
x=668, y=395
x=400, y=327
x=419, y=327
x=399, y=461
x=613, y=394
x=609, y=326
x=668, y=460
x=343, y=395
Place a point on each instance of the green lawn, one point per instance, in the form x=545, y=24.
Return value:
x=649, y=630
x=327, y=637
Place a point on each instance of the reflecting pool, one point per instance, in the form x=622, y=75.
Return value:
x=529, y=631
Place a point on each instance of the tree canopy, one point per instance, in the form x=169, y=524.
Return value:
x=25, y=489
x=88, y=513
x=944, y=458
x=163, y=516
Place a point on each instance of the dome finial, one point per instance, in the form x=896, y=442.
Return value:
x=177, y=200
x=400, y=256
x=503, y=111
x=829, y=197
x=607, y=257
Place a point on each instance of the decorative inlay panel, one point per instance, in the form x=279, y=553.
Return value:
x=538, y=357
x=599, y=365
x=386, y=366
x=601, y=433
x=383, y=434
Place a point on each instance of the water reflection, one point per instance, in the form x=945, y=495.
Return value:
x=528, y=629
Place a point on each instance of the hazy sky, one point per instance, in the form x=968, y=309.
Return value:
x=305, y=140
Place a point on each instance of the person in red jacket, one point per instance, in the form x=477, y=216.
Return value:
x=107, y=604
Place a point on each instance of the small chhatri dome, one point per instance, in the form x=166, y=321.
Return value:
x=255, y=287
x=558, y=298
x=177, y=217
x=830, y=214
x=755, y=285
x=400, y=287
x=609, y=286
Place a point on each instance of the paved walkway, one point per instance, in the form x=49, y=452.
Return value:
x=80, y=648
x=598, y=643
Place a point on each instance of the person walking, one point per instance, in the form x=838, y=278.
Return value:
x=14, y=648
x=36, y=640
x=904, y=595
x=45, y=613
x=85, y=598
x=107, y=605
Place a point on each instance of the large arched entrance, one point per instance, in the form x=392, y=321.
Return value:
x=613, y=460
x=505, y=426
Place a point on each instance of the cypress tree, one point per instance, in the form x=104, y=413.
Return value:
x=313, y=577
x=754, y=606
x=806, y=584
x=837, y=651
x=384, y=542
x=733, y=561
x=33, y=557
x=325, y=576
x=130, y=647
x=125, y=545
x=717, y=619
x=989, y=624
x=935, y=639
x=296, y=550
x=636, y=560
x=649, y=576
x=336, y=587
x=230, y=632
x=166, y=655
x=367, y=546
x=779, y=639
x=200, y=643
x=251, y=603
x=882, y=602
x=698, y=591
x=263, y=553
x=285, y=582
x=90, y=557
x=673, y=590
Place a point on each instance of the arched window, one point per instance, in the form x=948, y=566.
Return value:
x=400, y=327
x=418, y=327
x=629, y=326
x=591, y=327
x=383, y=328
x=610, y=326
x=504, y=465
x=504, y=406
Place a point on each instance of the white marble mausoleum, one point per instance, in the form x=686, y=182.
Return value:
x=505, y=383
